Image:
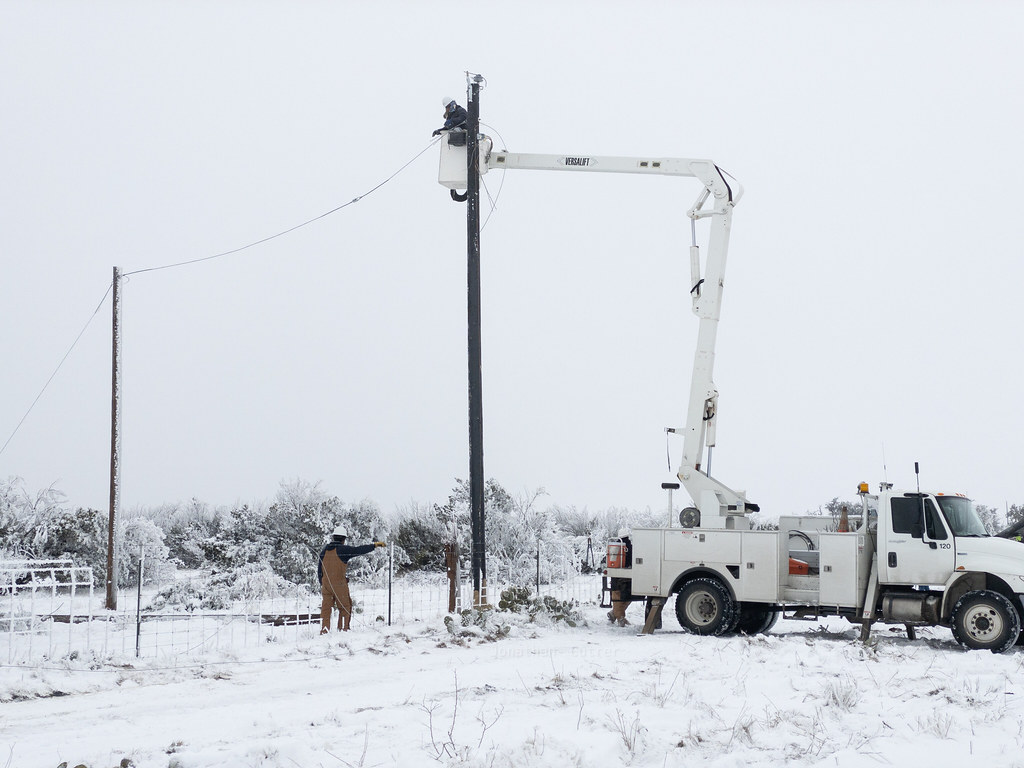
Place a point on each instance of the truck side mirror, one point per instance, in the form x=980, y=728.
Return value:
x=917, y=531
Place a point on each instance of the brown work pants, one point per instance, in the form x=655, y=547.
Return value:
x=619, y=607
x=334, y=588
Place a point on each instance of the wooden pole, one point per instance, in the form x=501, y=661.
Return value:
x=115, y=443
x=476, y=407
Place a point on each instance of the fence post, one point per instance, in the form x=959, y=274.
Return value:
x=71, y=608
x=391, y=572
x=53, y=602
x=138, y=603
x=538, y=566
x=10, y=623
x=451, y=561
x=88, y=619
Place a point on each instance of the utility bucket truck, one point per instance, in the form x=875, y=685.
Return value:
x=905, y=557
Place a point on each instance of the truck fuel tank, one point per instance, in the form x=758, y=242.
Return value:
x=911, y=607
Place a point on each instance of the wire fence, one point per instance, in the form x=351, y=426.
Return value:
x=50, y=610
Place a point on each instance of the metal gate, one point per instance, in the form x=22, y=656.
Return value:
x=45, y=607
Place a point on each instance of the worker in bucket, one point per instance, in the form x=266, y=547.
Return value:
x=332, y=573
x=622, y=588
x=454, y=117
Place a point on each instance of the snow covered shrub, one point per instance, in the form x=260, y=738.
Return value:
x=188, y=595
x=9, y=518
x=74, y=534
x=135, y=537
x=515, y=526
x=184, y=542
x=424, y=531
x=186, y=527
x=568, y=540
x=240, y=536
x=590, y=531
x=40, y=526
x=289, y=535
x=219, y=591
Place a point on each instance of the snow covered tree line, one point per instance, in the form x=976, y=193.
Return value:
x=285, y=536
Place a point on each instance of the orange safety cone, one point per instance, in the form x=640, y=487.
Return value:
x=844, y=521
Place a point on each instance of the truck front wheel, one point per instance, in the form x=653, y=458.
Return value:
x=705, y=607
x=985, y=620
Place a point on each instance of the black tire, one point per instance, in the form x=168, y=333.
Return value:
x=756, y=619
x=985, y=620
x=705, y=607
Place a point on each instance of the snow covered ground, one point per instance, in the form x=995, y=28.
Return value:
x=516, y=693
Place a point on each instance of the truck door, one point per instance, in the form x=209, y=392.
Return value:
x=918, y=547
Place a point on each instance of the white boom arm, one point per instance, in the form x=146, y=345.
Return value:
x=720, y=507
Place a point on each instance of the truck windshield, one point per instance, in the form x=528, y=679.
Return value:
x=961, y=516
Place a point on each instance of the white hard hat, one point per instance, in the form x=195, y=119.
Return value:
x=623, y=533
x=340, y=532
x=446, y=101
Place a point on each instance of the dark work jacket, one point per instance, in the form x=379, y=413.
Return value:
x=344, y=553
x=455, y=118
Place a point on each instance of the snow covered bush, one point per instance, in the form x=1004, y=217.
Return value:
x=185, y=526
x=15, y=519
x=41, y=526
x=289, y=535
x=220, y=591
x=589, y=532
x=423, y=532
x=569, y=540
x=136, y=537
x=515, y=528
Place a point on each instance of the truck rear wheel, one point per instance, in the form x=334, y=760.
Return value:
x=985, y=620
x=705, y=607
x=756, y=619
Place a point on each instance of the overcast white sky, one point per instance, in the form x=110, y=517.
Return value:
x=871, y=296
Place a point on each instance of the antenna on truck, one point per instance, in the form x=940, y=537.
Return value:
x=917, y=472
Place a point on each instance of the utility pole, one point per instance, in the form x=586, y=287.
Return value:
x=115, y=443
x=476, y=405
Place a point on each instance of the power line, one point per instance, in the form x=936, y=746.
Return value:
x=290, y=229
x=61, y=363
x=494, y=200
x=196, y=261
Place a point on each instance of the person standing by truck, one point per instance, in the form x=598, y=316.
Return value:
x=621, y=588
x=332, y=573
